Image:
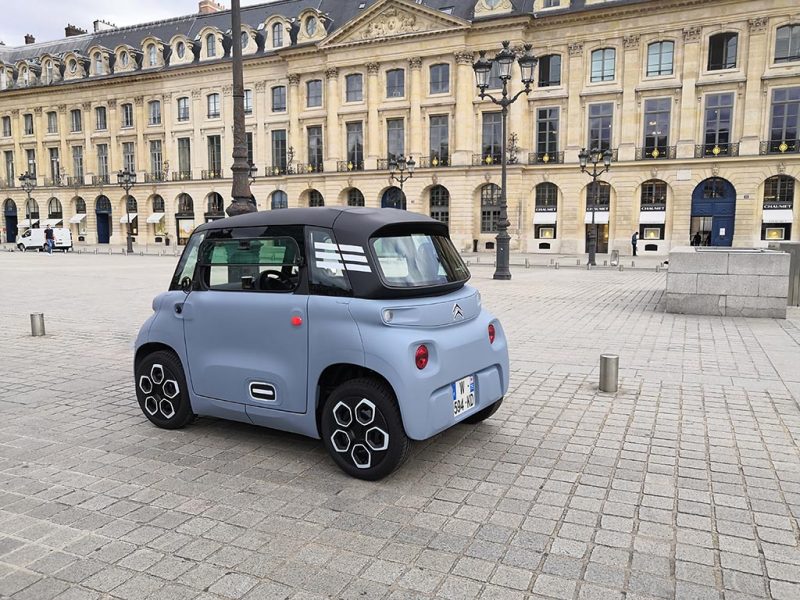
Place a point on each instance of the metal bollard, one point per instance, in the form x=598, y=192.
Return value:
x=633, y=264
x=609, y=372
x=621, y=268
x=578, y=263
x=552, y=260
x=527, y=263
x=658, y=268
x=37, y=324
x=556, y=265
x=605, y=263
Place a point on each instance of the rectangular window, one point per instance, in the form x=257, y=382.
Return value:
x=28, y=124
x=314, y=93
x=440, y=140
x=248, y=102
x=154, y=110
x=416, y=260
x=55, y=165
x=30, y=157
x=279, y=99
x=250, y=153
x=215, y=155
x=52, y=122
x=547, y=133
x=440, y=78
x=213, y=106
x=354, y=88
x=156, y=159
x=102, y=161
x=550, y=70
x=603, y=64
x=784, y=133
x=718, y=117
x=127, y=116
x=395, y=139
x=183, y=109
x=722, y=51
x=279, y=151
x=656, y=127
x=787, y=43
x=100, y=118
x=9, y=160
x=129, y=156
x=315, y=146
x=185, y=158
x=492, y=138
x=495, y=83
x=6, y=126
x=76, y=120
x=77, y=163
x=551, y=3
x=601, y=118
x=355, y=145
x=238, y=265
x=395, y=83
x=660, y=56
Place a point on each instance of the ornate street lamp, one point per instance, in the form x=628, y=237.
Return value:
x=398, y=167
x=126, y=180
x=28, y=182
x=483, y=68
x=594, y=156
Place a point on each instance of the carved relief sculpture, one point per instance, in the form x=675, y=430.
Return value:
x=575, y=49
x=692, y=34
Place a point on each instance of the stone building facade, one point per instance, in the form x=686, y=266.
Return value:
x=698, y=101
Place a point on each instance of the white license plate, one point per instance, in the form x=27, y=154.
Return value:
x=463, y=392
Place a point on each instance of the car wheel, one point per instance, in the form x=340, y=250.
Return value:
x=362, y=429
x=484, y=414
x=161, y=390
x=21, y=247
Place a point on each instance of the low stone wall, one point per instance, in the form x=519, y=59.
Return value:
x=731, y=282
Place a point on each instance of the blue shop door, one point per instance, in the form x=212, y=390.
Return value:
x=103, y=228
x=722, y=231
x=11, y=228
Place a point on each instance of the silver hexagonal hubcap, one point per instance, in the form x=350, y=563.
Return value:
x=151, y=405
x=362, y=458
x=341, y=441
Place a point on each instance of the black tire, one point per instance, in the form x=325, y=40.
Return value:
x=376, y=461
x=21, y=247
x=484, y=414
x=161, y=403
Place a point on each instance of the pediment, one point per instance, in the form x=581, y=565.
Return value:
x=392, y=19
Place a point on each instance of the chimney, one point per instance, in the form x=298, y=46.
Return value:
x=71, y=31
x=29, y=39
x=206, y=7
x=100, y=25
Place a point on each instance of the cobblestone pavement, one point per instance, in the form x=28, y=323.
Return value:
x=685, y=484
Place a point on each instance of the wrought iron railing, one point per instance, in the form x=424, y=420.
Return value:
x=101, y=179
x=486, y=160
x=181, y=176
x=275, y=170
x=715, y=150
x=779, y=147
x=345, y=166
x=154, y=177
x=539, y=158
x=212, y=174
x=302, y=168
x=434, y=162
x=76, y=181
x=656, y=153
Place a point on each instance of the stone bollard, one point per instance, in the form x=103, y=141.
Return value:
x=609, y=372
x=37, y=324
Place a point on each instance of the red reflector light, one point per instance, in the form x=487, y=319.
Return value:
x=297, y=321
x=421, y=357
x=491, y=333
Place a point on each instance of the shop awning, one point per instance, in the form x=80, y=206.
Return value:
x=600, y=217
x=78, y=218
x=52, y=222
x=155, y=218
x=545, y=218
x=652, y=217
x=124, y=218
x=27, y=223
x=781, y=215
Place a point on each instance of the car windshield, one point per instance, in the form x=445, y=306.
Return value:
x=418, y=260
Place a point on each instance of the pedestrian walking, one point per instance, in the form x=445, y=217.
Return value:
x=49, y=239
x=634, y=241
x=696, y=239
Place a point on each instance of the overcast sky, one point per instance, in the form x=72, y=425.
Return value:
x=46, y=19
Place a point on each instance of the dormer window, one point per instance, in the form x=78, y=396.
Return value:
x=245, y=39
x=211, y=45
x=311, y=26
x=26, y=77
x=48, y=73
x=73, y=66
x=98, y=64
x=277, y=35
x=181, y=49
x=152, y=55
x=124, y=59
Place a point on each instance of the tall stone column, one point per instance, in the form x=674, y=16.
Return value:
x=628, y=126
x=576, y=131
x=260, y=140
x=42, y=156
x=197, y=144
x=226, y=138
x=464, y=122
x=20, y=164
x=294, y=138
x=333, y=143
x=64, y=150
x=415, y=118
x=373, y=121
x=168, y=143
x=140, y=120
x=751, y=115
x=690, y=107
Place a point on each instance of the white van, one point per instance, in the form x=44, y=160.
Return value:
x=33, y=239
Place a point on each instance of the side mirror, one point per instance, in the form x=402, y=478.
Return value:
x=186, y=285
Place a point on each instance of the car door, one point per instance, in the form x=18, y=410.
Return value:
x=244, y=325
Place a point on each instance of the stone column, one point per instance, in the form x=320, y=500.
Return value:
x=464, y=121
x=89, y=151
x=295, y=138
x=415, y=124
x=226, y=139
x=260, y=141
x=333, y=142
x=198, y=143
x=750, y=113
x=19, y=153
x=576, y=130
x=140, y=121
x=628, y=118
x=373, y=122
x=168, y=143
x=42, y=156
x=690, y=106
x=64, y=149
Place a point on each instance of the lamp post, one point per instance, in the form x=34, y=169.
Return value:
x=28, y=182
x=483, y=67
x=594, y=156
x=398, y=167
x=126, y=180
x=240, y=189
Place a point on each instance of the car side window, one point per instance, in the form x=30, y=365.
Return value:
x=268, y=264
x=327, y=276
x=188, y=261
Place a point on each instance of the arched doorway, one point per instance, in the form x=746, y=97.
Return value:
x=79, y=218
x=315, y=199
x=131, y=216
x=216, y=207
x=157, y=217
x=102, y=210
x=355, y=197
x=440, y=204
x=713, y=213
x=10, y=214
x=184, y=218
x=31, y=214
x=393, y=197
x=279, y=199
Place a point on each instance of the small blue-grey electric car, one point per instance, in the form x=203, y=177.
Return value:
x=350, y=324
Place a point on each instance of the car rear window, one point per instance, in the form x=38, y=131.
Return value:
x=418, y=260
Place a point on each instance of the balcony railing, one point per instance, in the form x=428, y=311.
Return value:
x=212, y=174
x=101, y=179
x=383, y=164
x=302, y=168
x=545, y=158
x=154, y=177
x=53, y=181
x=486, y=160
x=76, y=181
x=345, y=166
x=779, y=147
x=181, y=176
x=434, y=162
x=656, y=153
x=715, y=150
x=275, y=170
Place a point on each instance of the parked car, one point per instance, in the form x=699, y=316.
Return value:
x=33, y=239
x=352, y=325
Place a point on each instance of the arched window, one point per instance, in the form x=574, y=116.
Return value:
x=98, y=64
x=49, y=72
x=654, y=192
x=245, y=39
x=393, y=197
x=598, y=194
x=185, y=204
x=152, y=54
x=778, y=208
x=315, y=199
x=787, y=43
x=660, y=57
x=440, y=204
x=154, y=112
x=490, y=208
x=211, y=45
x=54, y=210
x=158, y=204
x=279, y=200
x=132, y=206
x=80, y=206
x=181, y=49
x=26, y=77
x=103, y=205
x=355, y=197
x=722, y=51
x=603, y=64
x=216, y=205
x=213, y=106
x=547, y=197
x=10, y=208
x=277, y=35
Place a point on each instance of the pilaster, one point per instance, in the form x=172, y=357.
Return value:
x=373, y=122
x=751, y=115
x=689, y=102
x=415, y=117
x=464, y=122
x=333, y=129
x=630, y=115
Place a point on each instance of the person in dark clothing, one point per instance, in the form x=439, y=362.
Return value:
x=49, y=239
x=634, y=241
x=696, y=239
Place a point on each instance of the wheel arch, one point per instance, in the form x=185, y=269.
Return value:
x=150, y=347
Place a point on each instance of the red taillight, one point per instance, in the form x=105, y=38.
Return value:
x=421, y=357
x=491, y=333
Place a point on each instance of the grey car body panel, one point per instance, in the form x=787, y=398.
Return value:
x=237, y=338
